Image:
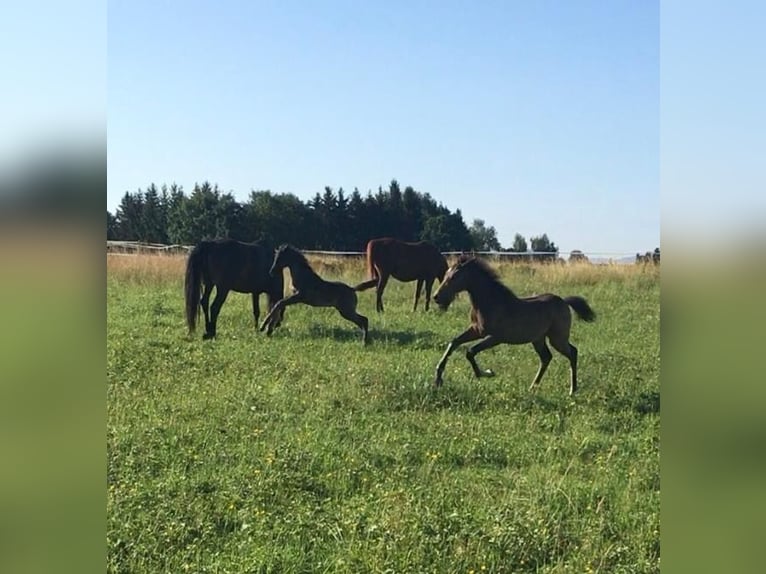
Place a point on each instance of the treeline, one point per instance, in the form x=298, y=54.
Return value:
x=332, y=220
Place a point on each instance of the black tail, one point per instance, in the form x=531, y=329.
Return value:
x=192, y=286
x=366, y=284
x=581, y=307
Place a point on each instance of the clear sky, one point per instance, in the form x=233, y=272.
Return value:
x=536, y=116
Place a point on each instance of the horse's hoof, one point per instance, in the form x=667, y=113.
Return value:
x=438, y=382
x=208, y=336
x=489, y=373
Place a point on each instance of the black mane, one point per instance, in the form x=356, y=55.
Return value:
x=295, y=253
x=492, y=277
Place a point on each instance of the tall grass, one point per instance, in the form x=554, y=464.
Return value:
x=307, y=452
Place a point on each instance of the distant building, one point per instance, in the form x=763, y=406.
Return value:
x=578, y=256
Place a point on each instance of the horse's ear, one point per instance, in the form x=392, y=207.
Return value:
x=463, y=258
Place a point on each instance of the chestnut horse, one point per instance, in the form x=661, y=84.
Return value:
x=227, y=265
x=389, y=257
x=502, y=317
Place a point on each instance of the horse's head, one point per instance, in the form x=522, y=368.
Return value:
x=280, y=259
x=453, y=283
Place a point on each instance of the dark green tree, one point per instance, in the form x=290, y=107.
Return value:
x=544, y=248
x=448, y=232
x=202, y=209
x=278, y=218
x=483, y=238
x=412, y=214
x=129, y=217
x=179, y=228
x=153, y=225
x=111, y=226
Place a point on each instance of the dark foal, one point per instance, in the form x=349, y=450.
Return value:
x=312, y=290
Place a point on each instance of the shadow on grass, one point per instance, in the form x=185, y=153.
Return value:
x=531, y=402
x=351, y=333
x=646, y=403
x=471, y=396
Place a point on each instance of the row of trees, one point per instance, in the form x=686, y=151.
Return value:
x=330, y=220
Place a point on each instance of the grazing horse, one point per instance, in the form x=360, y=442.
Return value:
x=311, y=289
x=502, y=317
x=389, y=257
x=227, y=265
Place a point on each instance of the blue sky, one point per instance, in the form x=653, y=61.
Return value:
x=713, y=122
x=534, y=116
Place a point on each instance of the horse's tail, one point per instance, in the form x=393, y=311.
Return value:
x=192, y=286
x=371, y=271
x=581, y=307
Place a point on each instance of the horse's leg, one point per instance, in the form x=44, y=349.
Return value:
x=382, y=280
x=487, y=343
x=470, y=334
x=256, y=309
x=272, y=302
x=360, y=321
x=570, y=352
x=205, y=304
x=215, y=308
x=276, y=311
x=429, y=286
x=545, y=358
x=417, y=294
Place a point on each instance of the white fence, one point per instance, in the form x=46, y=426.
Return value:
x=137, y=247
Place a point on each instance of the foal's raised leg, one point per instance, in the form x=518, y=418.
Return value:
x=274, y=316
x=278, y=320
x=215, y=308
x=417, y=294
x=468, y=335
x=272, y=301
x=487, y=343
x=545, y=358
x=570, y=352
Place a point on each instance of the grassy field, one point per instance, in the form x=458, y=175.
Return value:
x=307, y=452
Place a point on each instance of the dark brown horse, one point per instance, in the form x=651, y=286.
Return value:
x=228, y=265
x=502, y=317
x=389, y=257
x=311, y=289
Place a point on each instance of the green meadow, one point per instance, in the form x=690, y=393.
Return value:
x=308, y=452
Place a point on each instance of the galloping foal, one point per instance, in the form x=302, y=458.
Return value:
x=498, y=316
x=312, y=290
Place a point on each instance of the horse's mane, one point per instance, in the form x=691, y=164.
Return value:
x=493, y=278
x=296, y=253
